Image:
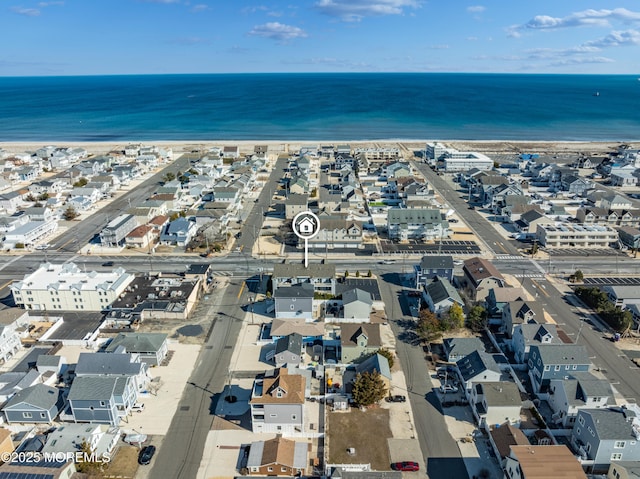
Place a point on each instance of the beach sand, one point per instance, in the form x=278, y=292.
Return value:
x=246, y=146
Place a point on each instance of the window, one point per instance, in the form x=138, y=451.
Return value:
x=43, y=415
x=619, y=444
x=294, y=417
x=27, y=415
x=557, y=367
x=283, y=469
x=270, y=469
x=578, y=431
x=581, y=420
x=616, y=456
x=547, y=368
x=574, y=367
x=273, y=415
x=566, y=368
x=103, y=404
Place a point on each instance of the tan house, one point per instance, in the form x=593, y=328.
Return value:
x=277, y=457
x=480, y=276
x=542, y=462
x=141, y=237
x=6, y=443
x=277, y=403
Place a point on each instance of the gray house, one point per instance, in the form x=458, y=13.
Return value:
x=433, y=266
x=478, y=367
x=38, y=403
x=101, y=399
x=458, y=348
x=288, y=350
x=524, y=335
x=152, y=348
x=116, y=231
x=321, y=276
x=277, y=403
x=605, y=435
x=358, y=340
x=357, y=305
x=294, y=301
x=579, y=391
x=440, y=295
x=521, y=312
x=119, y=363
x=555, y=361
x=416, y=223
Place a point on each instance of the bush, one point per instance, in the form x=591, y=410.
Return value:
x=614, y=316
x=368, y=389
x=387, y=354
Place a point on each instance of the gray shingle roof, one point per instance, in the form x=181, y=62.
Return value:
x=303, y=290
x=475, y=363
x=96, y=388
x=563, y=354
x=356, y=294
x=292, y=342
x=294, y=270
x=39, y=396
x=463, y=346
x=138, y=342
x=501, y=393
x=436, y=262
x=611, y=424
x=440, y=289
x=106, y=364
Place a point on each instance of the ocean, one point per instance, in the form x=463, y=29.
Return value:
x=349, y=106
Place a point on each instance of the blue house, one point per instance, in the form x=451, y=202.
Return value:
x=101, y=399
x=433, y=266
x=555, y=361
x=178, y=232
x=38, y=403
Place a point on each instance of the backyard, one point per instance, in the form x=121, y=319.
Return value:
x=365, y=431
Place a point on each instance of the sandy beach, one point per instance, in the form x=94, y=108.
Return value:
x=246, y=146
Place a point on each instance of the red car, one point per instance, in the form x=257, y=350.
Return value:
x=405, y=466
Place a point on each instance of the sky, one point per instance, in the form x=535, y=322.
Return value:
x=104, y=37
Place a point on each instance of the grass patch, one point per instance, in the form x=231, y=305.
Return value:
x=367, y=431
x=124, y=464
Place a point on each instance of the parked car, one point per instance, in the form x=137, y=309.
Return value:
x=396, y=398
x=471, y=207
x=388, y=261
x=137, y=407
x=405, y=466
x=452, y=220
x=145, y=456
x=448, y=388
x=107, y=264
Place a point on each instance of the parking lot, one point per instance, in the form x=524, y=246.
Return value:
x=444, y=247
x=634, y=281
x=583, y=252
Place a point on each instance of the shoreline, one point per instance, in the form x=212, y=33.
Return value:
x=481, y=145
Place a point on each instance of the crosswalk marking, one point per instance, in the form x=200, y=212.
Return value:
x=528, y=275
x=509, y=256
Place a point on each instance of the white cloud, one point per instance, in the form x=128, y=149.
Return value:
x=476, y=9
x=162, y=1
x=200, y=7
x=580, y=61
x=616, y=39
x=49, y=4
x=355, y=10
x=278, y=31
x=27, y=12
x=472, y=39
x=590, y=17
x=254, y=9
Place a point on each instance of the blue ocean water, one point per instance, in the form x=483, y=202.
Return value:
x=358, y=106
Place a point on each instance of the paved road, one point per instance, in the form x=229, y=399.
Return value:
x=440, y=451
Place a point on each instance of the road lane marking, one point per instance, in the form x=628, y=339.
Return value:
x=9, y=262
x=241, y=289
x=540, y=288
x=7, y=284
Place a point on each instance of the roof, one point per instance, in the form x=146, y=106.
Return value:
x=108, y=363
x=505, y=295
x=462, y=346
x=505, y=436
x=303, y=290
x=295, y=199
x=480, y=268
x=356, y=294
x=293, y=386
x=291, y=342
x=137, y=342
x=613, y=423
x=92, y=388
x=278, y=451
x=140, y=231
x=531, y=215
x=475, y=363
x=535, y=332
x=375, y=362
x=282, y=327
x=350, y=332
x=519, y=309
x=39, y=396
x=436, y=262
x=630, y=230
x=623, y=292
x=562, y=353
x=298, y=270
x=414, y=215
x=543, y=462
x=501, y=393
x=440, y=289
x=159, y=220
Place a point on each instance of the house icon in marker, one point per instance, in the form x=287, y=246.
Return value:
x=306, y=226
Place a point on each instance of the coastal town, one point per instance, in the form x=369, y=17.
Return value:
x=366, y=310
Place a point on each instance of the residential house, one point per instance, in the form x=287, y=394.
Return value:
x=295, y=205
x=143, y=236
x=521, y=312
x=115, y=232
x=39, y=468
x=288, y=351
x=575, y=184
x=376, y=363
x=495, y=402
x=226, y=194
x=529, y=221
x=359, y=340
x=622, y=296
x=35, y=404
x=397, y=170
x=601, y=436
x=30, y=233
x=357, y=305
x=6, y=443
x=100, y=439
x=101, y=399
x=624, y=470
x=526, y=333
x=66, y=287
x=321, y=276
x=414, y=223
x=151, y=348
x=295, y=301
x=542, y=462
x=277, y=403
x=179, y=232
x=502, y=437
x=615, y=202
x=498, y=298
x=10, y=342
x=10, y=201
x=480, y=276
x=231, y=152
x=116, y=364
x=337, y=233
x=440, y=295
x=496, y=197
x=432, y=266
x=623, y=179
x=36, y=213
x=478, y=367
x=458, y=348
x=553, y=361
x=629, y=237
x=277, y=457
x=299, y=185
x=576, y=236
x=579, y=391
